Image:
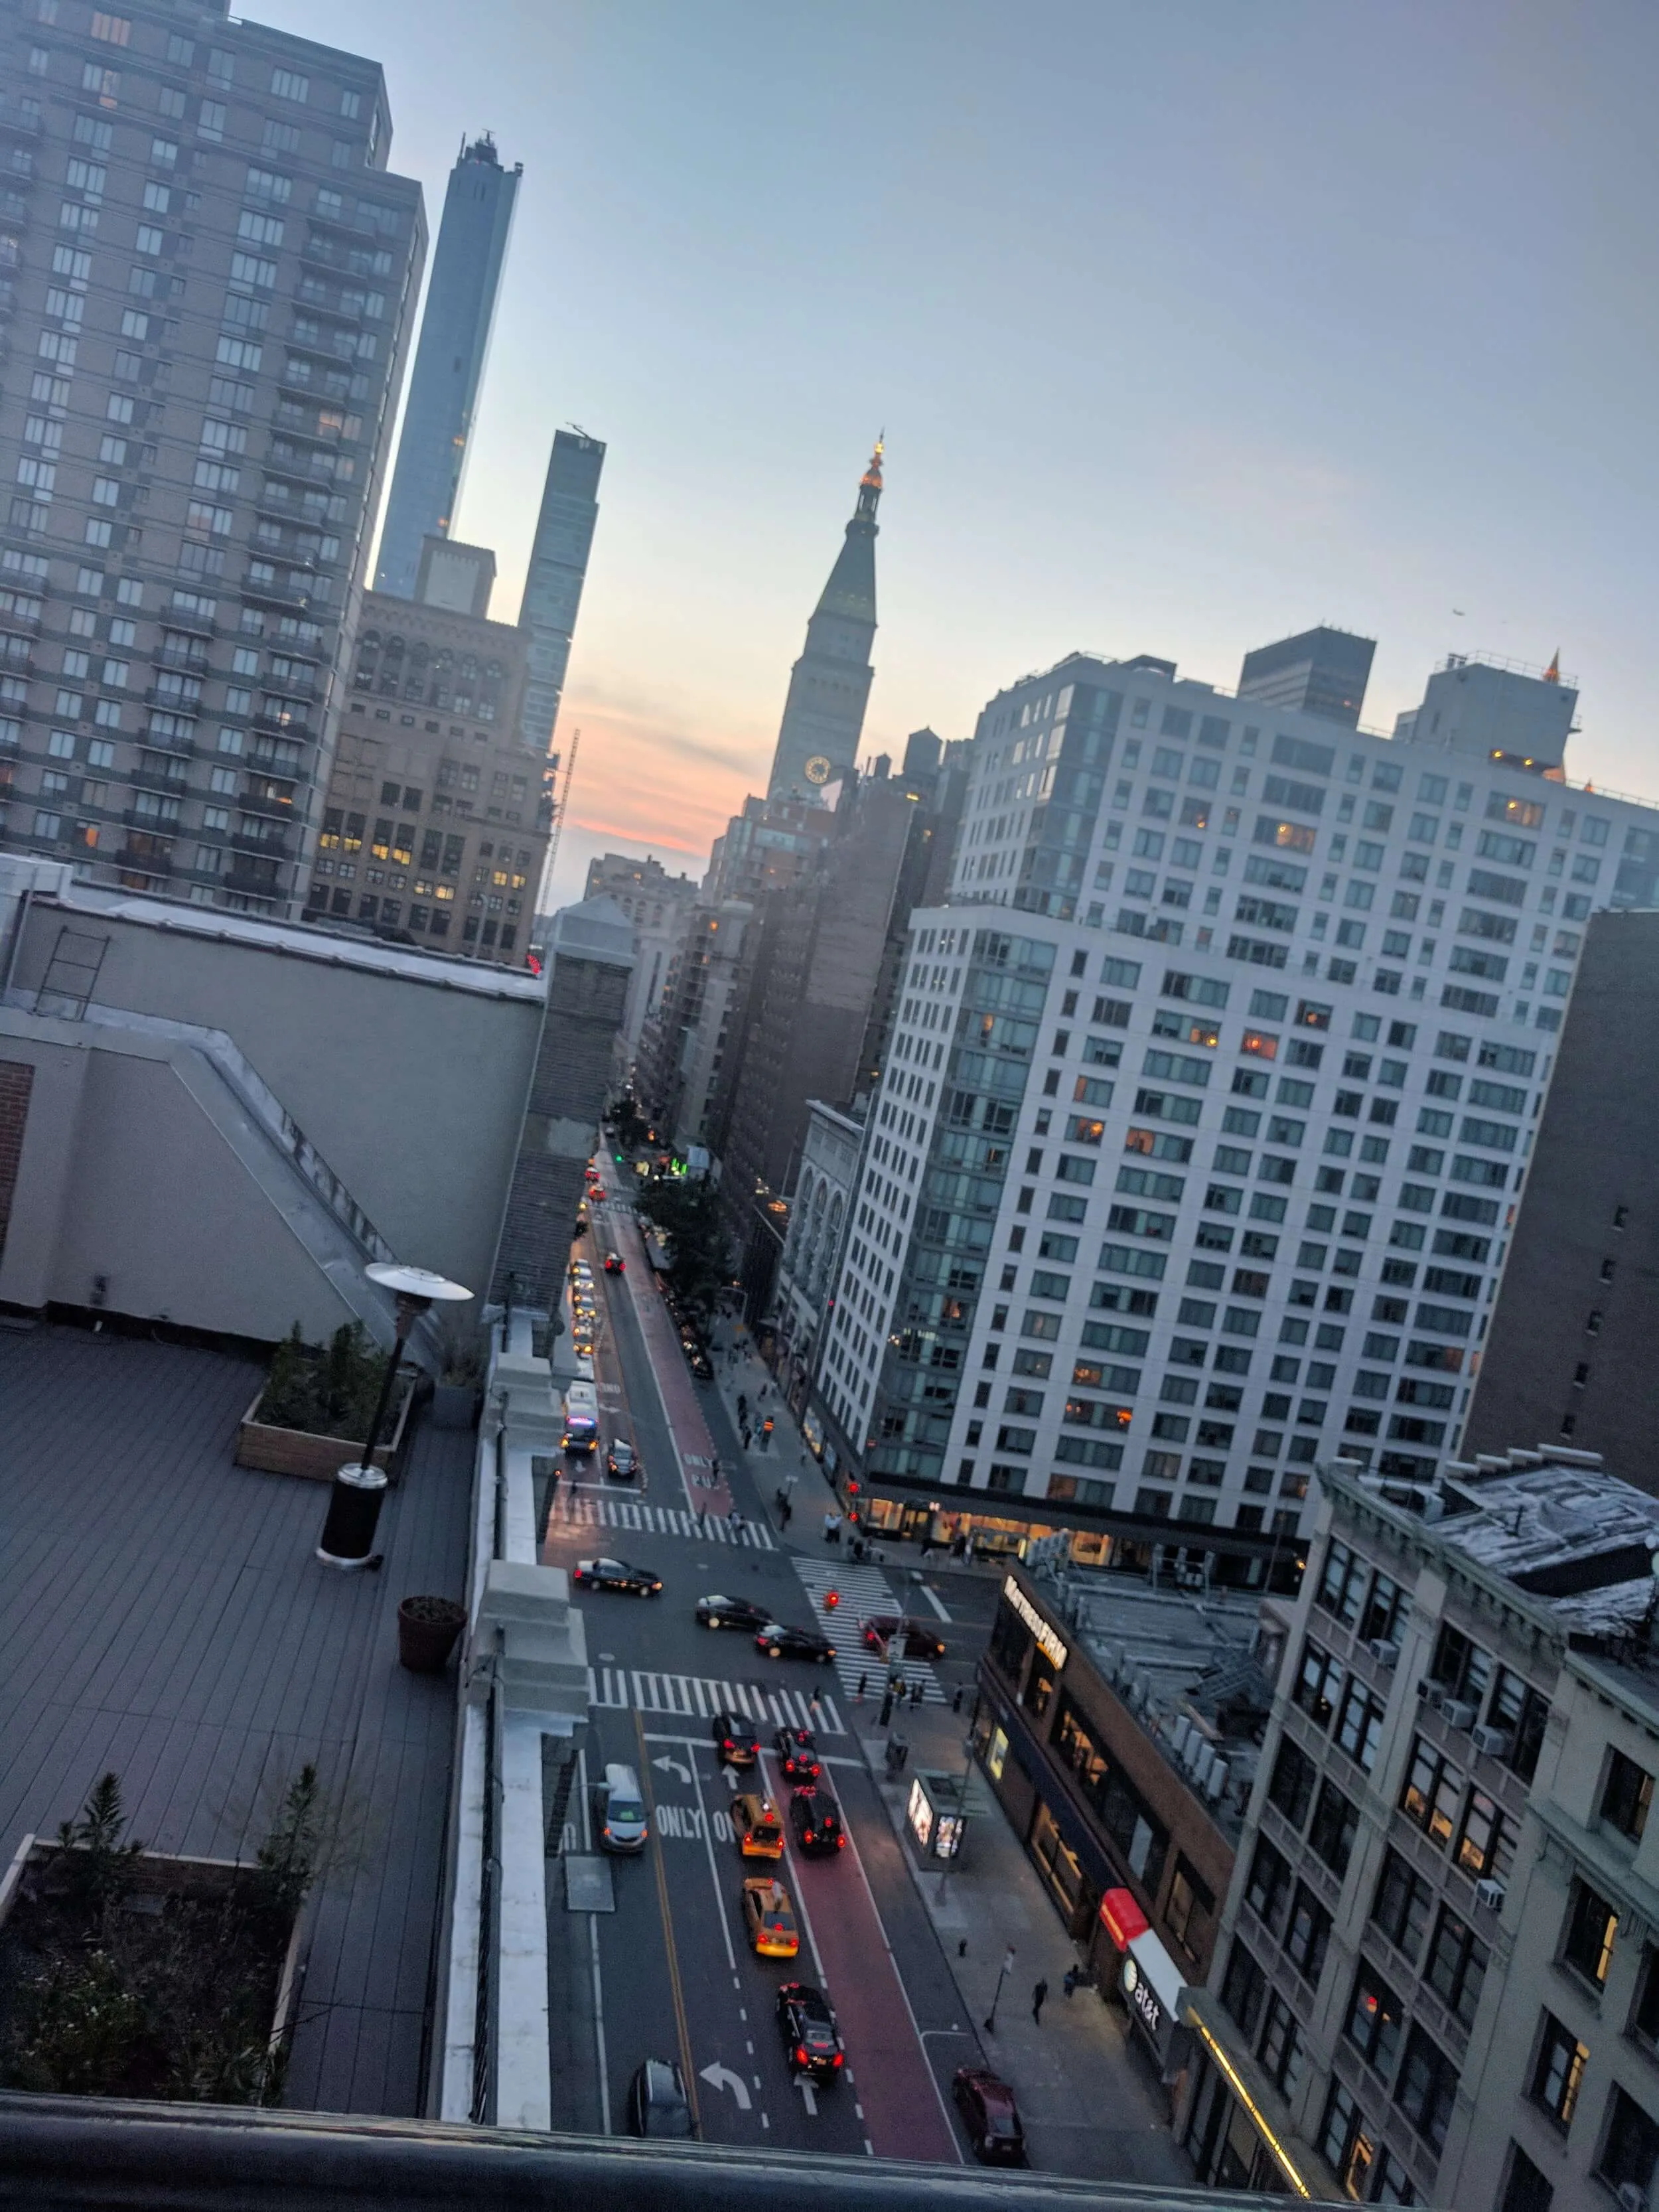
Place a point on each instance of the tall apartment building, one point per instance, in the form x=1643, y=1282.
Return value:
x=208, y=274
x=1210, y=1098
x=691, y=1038
x=1570, y=1357
x=658, y=905
x=553, y=584
x=438, y=816
x=1437, y=1980
x=449, y=361
x=829, y=952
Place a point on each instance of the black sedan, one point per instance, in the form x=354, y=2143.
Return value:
x=810, y=2037
x=656, y=2103
x=799, y=1754
x=697, y=1360
x=779, y=1641
x=732, y=1612
x=617, y=1574
x=736, y=1743
x=816, y=1818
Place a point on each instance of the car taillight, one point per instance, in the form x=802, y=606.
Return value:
x=841, y=1842
x=801, y=2054
x=728, y=1744
x=836, y=2061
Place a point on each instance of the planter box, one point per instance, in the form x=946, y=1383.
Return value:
x=159, y=1875
x=296, y=1451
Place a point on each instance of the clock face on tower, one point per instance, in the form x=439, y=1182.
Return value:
x=819, y=770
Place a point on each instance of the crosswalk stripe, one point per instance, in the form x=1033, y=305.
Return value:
x=861, y=1591
x=696, y=1696
x=581, y=1509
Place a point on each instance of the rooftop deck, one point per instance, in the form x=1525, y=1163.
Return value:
x=161, y=1616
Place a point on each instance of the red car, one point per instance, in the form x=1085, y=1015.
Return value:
x=991, y=2117
x=920, y=1643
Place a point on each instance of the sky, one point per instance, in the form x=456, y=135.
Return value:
x=1190, y=323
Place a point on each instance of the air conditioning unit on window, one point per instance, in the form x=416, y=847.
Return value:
x=1489, y=1895
x=1633, y=2198
x=1455, y=1714
x=1431, y=1691
x=1495, y=1742
x=1384, y=1650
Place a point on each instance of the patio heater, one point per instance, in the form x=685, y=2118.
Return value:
x=358, y=1490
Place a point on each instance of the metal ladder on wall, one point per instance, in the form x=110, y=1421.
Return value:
x=71, y=975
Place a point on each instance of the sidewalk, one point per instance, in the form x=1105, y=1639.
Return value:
x=1088, y=2093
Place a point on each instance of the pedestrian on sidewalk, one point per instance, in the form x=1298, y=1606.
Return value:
x=956, y=1702
x=1037, y=1995
x=743, y=1432
x=917, y=1690
x=743, y=1406
x=785, y=1514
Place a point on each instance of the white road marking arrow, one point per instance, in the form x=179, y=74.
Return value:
x=672, y=1767
x=722, y=2077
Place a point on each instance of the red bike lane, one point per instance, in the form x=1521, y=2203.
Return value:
x=693, y=1448
x=903, y=2114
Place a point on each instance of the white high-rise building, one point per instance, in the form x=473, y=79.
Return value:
x=1210, y=1099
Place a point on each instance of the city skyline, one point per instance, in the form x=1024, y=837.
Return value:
x=1133, y=403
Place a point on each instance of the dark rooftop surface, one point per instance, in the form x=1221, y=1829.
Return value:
x=162, y=1614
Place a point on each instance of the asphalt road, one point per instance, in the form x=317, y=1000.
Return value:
x=669, y=1973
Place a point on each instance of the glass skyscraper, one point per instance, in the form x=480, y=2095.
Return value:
x=449, y=361
x=558, y=565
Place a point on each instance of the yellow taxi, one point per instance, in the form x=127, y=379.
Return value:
x=769, y=1918
x=756, y=1824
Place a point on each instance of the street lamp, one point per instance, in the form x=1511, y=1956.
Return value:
x=359, y=1488
x=996, y=1994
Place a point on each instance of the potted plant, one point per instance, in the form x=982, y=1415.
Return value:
x=427, y=1629
x=460, y=1378
x=314, y=1410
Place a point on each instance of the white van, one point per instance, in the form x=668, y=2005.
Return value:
x=582, y=1416
x=620, y=1804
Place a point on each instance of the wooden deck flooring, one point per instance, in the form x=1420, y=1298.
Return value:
x=161, y=1616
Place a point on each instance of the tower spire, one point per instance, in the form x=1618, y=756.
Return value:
x=824, y=715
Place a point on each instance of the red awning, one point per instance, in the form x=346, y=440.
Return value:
x=1121, y=1917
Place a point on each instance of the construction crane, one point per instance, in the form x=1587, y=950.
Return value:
x=559, y=810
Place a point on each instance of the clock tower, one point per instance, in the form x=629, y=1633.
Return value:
x=830, y=685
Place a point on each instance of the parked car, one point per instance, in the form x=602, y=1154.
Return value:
x=769, y=1918
x=658, y=2105
x=697, y=1360
x=756, y=1824
x=798, y=1751
x=991, y=2116
x=810, y=2037
x=730, y=1612
x=617, y=1574
x=779, y=1641
x=920, y=1642
x=622, y=1462
x=735, y=1740
x=620, y=1804
x=816, y=1818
